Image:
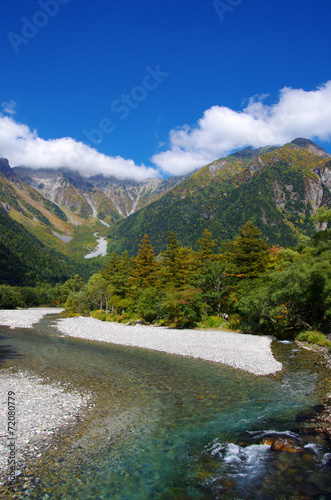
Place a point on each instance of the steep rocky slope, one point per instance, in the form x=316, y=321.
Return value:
x=278, y=189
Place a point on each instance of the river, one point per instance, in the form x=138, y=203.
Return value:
x=170, y=427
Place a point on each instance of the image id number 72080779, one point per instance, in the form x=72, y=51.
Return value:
x=12, y=434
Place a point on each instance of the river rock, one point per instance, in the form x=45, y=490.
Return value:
x=323, y=420
x=283, y=443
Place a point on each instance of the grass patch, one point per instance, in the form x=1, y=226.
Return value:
x=314, y=337
x=212, y=322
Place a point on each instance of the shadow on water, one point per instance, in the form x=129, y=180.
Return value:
x=7, y=351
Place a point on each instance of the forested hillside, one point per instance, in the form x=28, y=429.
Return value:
x=278, y=189
x=25, y=261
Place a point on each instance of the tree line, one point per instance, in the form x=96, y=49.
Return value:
x=262, y=288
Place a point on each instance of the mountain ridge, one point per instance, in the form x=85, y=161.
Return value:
x=277, y=187
x=277, y=190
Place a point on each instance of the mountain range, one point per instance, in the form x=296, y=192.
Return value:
x=277, y=188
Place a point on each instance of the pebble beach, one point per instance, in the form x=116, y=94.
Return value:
x=246, y=352
x=40, y=407
x=40, y=410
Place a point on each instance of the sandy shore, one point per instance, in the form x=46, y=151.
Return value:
x=247, y=352
x=25, y=318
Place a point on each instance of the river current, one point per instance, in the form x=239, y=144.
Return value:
x=170, y=427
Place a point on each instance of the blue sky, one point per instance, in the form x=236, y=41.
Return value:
x=142, y=88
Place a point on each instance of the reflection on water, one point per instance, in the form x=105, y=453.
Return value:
x=168, y=427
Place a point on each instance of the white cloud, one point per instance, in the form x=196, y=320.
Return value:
x=23, y=147
x=9, y=107
x=221, y=130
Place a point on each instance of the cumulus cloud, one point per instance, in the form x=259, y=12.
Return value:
x=221, y=130
x=22, y=146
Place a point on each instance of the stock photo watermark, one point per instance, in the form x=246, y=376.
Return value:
x=122, y=106
x=223, y=7
x=40, y=19
x=12, y=436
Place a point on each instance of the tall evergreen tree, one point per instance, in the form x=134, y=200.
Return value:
x=144, y=266
x=247, y=255
x=177, y=263
x=207, y=246
x=118, y=272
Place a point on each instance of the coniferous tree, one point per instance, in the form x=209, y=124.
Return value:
x=247, y=256
x=177, y=263
x=144, y=266
x=117, y=273
x=207, y=246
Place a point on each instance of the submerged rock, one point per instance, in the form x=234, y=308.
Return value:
x=324, y=419
x=280, y=443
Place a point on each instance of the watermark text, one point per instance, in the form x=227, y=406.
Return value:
x=12, y=435
x=30, y=27
x=222, y=7
x=126, y=103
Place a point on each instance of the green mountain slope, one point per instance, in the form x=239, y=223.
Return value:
x=278, y=189
x=25, y=261
x=54, y=226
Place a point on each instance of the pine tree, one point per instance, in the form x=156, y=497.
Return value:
x=207, y=246
x=178, y=263
x=118, y=272
x=144, y=266
x=247, y=256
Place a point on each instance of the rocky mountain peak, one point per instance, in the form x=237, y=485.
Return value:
x=311, y=146
x=7, y=171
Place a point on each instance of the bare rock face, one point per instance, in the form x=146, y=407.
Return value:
x=7, y=171
x=283, y=443
x=311, y=146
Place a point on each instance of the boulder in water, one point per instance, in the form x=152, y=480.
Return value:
x=283, y=443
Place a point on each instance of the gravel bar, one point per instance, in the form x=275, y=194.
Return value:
x=41, y=408
x=25, y=318
x=246, y=352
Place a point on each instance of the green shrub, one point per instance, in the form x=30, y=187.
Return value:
x=234, y=322
x=10, y=298
x=148, y=304
x=212, y=322
x=314, y=337
x=182, y=308
x=98, y=315
x=77, y=303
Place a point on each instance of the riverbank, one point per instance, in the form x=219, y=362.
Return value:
x=246, y=352
x=25, y=318
x=153, y=416
x=322, y=421
x=32, y=411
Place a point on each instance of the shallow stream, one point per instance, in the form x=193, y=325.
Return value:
x=170, y=427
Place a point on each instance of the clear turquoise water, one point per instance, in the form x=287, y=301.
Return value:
x=168, y=427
